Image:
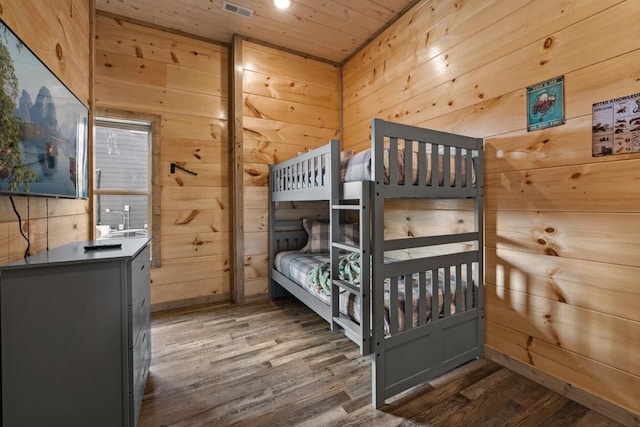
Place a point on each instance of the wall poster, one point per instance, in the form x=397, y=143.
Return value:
x=545, y=104
x=616, y=126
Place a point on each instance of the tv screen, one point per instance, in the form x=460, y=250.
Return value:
x=43, y=127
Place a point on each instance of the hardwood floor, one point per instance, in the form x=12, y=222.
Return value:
x=278, y=364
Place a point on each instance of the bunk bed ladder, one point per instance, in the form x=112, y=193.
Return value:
x=339, y=208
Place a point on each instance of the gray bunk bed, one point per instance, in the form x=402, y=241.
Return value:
x=417, y=317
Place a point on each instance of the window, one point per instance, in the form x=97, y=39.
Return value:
x=122, y=182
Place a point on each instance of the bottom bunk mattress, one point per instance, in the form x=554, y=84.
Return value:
x=310, y=271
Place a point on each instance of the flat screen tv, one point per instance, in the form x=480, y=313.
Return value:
x=43, y=127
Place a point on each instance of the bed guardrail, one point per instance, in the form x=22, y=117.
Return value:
x=424, y=162
x=305, y=177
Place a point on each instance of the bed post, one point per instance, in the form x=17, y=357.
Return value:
x=365, y=268
x=272, y=230
x=377, y=270
x=479, y=207
x=333, y=175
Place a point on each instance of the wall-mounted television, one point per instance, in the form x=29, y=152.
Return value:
x=43, y=127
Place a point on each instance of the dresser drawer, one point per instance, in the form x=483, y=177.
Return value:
x=140, y=274
x=140, y=358
x=137, y=394
x=140, y=317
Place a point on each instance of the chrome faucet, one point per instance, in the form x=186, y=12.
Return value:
x=124, y=218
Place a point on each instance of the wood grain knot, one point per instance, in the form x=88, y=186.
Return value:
x=576, y=175
x=550, y=230
x=551, y=252
x=188, y=219
x=529, y=355
x=542, y=241
x=59, y=51
x=548, y=42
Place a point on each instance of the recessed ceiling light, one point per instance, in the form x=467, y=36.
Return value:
x=282, y=4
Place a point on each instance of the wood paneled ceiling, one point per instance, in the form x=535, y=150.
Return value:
x=328, y=29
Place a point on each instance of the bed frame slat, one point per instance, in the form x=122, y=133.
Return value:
x=446, y=163
x=435, y=295
x=446, y=300
x=422, y=164
x=458, y=168
x=435, y=166
x=459, y=294
x=408, y=301
x=393, y=306
x=423, y=295
x=393, y=160
x=408, y=162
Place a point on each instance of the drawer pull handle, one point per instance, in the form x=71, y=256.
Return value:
x=142, y=267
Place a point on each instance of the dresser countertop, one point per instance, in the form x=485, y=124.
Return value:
x=75, y=252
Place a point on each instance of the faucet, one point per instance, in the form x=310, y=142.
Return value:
x=124, y=218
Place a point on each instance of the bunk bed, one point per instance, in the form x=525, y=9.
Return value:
x=417, y=317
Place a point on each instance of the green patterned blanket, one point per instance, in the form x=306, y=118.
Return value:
x=349, y=271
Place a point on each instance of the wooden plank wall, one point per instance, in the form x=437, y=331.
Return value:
x=561, y=227
x=185, y=81
x=291, y=105
x=58, y=33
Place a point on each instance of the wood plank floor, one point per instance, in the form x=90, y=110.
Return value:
x=278, y=364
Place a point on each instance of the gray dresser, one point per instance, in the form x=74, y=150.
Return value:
x=75, y=335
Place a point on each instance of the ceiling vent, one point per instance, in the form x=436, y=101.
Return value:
x=238, y=10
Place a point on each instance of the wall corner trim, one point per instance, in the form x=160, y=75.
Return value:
x=236, y=168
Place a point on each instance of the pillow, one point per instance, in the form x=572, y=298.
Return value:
x=318, y=235
x=345, y=157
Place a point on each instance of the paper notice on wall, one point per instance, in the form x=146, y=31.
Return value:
x=616, y=126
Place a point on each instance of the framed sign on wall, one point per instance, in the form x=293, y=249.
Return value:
x=616, y=126
x=545, y=104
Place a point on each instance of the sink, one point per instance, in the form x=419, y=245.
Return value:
x=118, y=234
